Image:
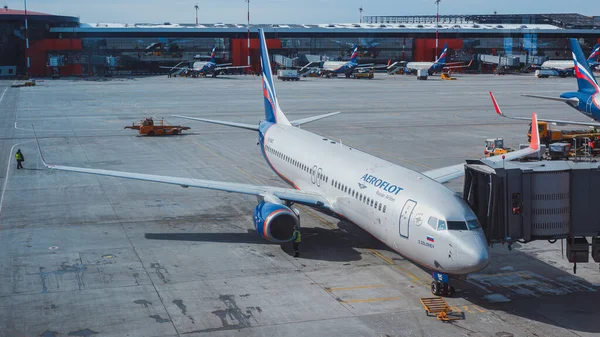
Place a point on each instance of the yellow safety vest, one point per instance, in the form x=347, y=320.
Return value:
x=298, y=236
x=18, y=156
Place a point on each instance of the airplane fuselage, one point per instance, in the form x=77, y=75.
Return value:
x=398, y=206
x=589, y=104
x=204, y=68
x=339, y=67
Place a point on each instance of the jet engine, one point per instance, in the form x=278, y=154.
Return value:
x=274, y=221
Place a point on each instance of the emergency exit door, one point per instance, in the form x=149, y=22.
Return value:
x=405, y=216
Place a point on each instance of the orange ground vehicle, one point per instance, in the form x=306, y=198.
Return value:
x=150, y=128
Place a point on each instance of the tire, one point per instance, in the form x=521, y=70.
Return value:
x=435, y=288
x=151, y=133
x=175, y=132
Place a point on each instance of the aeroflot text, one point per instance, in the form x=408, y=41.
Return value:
x=384, y=185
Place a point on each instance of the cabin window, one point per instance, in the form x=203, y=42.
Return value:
x=375, y=204
x=372, y=203
x=380, y=207
x=384, y=206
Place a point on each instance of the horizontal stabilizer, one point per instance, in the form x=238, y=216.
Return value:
x=233, y=124
x=554, y=121
x=558, y=99
x=313, y=118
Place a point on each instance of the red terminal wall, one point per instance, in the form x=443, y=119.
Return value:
x=424, y=49
x=38, y=54
x=239, y=51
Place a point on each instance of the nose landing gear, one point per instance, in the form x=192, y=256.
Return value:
x=440, y=286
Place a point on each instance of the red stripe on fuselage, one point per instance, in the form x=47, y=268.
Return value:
x=271, y=164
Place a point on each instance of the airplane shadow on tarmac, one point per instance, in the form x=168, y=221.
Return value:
x=334, y=245
x=533, y=289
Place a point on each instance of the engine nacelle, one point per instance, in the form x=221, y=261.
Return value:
x=275, y=222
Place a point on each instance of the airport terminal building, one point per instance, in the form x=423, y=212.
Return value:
x=87, y=49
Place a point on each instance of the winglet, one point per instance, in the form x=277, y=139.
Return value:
x=534, y=144
x=496, y=106
x=39, y=148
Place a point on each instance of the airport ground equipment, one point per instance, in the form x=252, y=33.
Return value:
x=422, y=74
x=364, y=74
x=559, y=151
x=151, y=128
x=447, y=76
x=495, y=147
x=541, y=200
x=439, y=307
x=549, y=136
x=288, y=75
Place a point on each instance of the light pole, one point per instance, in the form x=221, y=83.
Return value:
x=248, y=1
x=196, y=7
x=437, y=20
x=360, y=10
x=26, y=40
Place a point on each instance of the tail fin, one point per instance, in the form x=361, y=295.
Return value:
x=442, y=58
x=212, y=55
x=594, y=55
x=273, y=112
x=585, y=79
x=354, y=53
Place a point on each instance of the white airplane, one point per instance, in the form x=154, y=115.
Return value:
x=437, y=66
x=206, y=67
x=411, y=212
x=566, y=67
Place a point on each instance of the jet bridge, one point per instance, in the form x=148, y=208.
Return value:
x=541, y=200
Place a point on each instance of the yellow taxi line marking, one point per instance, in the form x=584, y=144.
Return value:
x=353, y=288
x=456, y=309
x=467, y=309
x=416, y=280
x=478, y=308
x=369, y=300
x=230, y=163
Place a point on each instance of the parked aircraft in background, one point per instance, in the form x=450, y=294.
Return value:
x=411, y=212
x=347, y=68
x=565, y=67
x=585, y=100
x=437, y=66
x=206, y=68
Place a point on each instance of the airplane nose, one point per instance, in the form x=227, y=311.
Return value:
x=473, y=253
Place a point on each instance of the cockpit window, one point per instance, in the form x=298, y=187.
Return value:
x=441, y=225
x=473, y=224
x=457, y=225
x=433, y=222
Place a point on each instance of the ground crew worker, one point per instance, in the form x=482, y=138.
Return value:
x=20, y=158
x=297, y=239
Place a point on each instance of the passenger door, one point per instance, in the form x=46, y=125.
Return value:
x=405, y=216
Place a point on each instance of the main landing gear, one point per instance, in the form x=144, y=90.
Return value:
x=440, y=286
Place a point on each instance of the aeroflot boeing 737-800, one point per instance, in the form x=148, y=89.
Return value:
x=411, y=212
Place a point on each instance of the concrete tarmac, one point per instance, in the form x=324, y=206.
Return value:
x=97, y=256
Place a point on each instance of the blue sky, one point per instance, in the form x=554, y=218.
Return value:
x=284, y=11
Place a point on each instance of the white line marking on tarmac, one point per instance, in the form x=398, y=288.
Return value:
x=7, y=171
x=1, y=98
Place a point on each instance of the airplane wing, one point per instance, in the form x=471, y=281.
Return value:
x=234, y=124
x=459, y=66
x=554, y=121
x=572, y=100
x=232, y=67
x=302, y=121
x=178, y=68
x=252, y=127
x=287, y=194
x=448, y=173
